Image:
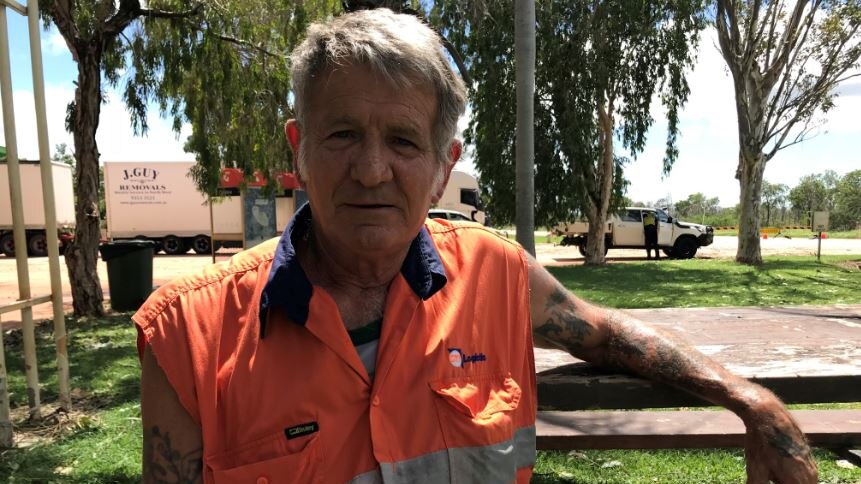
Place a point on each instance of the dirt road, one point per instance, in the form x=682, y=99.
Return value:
x=166, y=268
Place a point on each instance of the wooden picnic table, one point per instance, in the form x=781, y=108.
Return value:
x=804, y=354
x=809, y=354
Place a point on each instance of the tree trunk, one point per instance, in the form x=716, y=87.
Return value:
x=82, y=254
x=524, y=45
x=751, y=170
x=599, y=203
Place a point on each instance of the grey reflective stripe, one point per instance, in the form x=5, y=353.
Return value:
x=372, y=477
x=430, y=468
x=497, y=463
x=524, y=443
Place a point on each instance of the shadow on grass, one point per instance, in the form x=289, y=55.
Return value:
x=103, y=361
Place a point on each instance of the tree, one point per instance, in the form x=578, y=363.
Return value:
x=809, y=195
x=217, y=65
x=697, y=205
x=786, y=59
x=599, y=65
x=773, y=198
x=847, y=202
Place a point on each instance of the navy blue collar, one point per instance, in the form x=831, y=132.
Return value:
x=288, y=287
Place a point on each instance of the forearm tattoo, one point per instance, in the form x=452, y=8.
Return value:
x=787, y=446
x=164, y=464
x=563, y=326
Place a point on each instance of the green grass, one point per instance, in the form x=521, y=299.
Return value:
x=100, y=442
x=803, y=233
x=789, y=280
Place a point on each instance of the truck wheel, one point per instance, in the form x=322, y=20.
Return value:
x=201, y=244
x=582, y=248
x=685, y=248
x=7, y=244
x=37, y=245
x=173, y=245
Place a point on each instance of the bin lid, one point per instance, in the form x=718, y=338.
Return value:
x=119, y=248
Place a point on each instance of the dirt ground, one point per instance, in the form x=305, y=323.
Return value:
x=166, y=268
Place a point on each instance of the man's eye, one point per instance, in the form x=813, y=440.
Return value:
x=404, y=142
x=345, y=134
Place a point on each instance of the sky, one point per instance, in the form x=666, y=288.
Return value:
x=708, y=142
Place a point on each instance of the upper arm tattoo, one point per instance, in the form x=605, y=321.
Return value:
x=563, y=326
x=164, y=464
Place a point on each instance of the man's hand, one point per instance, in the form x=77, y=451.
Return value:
x=775, y=449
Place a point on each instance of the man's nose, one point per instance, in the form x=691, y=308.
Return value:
x=373, y=165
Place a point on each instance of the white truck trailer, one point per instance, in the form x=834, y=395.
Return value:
x=462, y=195
x=624, y=230
x=158, y=201
x=34, y=208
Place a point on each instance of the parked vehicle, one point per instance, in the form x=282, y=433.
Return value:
x=34, y=208
x=624, y=230
x=447, y=214
x=462, y=195
x=158, y=201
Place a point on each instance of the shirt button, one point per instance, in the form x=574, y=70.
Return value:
x=376, y=401
x=262, y=480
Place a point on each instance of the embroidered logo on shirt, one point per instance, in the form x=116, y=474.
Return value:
x=300, y=430
x=458, y=359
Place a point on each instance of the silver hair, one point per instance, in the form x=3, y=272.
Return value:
x=399, y=47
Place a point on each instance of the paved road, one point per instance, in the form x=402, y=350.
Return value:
x=166, y=268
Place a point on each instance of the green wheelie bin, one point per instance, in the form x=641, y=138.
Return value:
x=129, y=272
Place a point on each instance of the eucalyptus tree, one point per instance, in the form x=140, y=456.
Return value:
x=773, y=198
x=599, y=64
x=786, y=59
x=219, y=65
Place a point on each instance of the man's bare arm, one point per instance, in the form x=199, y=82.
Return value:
x=172, y=444
x=776, y=448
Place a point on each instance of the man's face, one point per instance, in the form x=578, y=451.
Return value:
x=369, y=163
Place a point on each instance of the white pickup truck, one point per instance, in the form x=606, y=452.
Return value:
x=624, y=230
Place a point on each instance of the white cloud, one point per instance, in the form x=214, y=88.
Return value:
x=115, y=138
x=53, y=43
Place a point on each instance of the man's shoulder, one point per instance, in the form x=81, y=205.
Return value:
x=472, y=234
x=205, y=286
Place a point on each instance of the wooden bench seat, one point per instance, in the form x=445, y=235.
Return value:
x=835, y=429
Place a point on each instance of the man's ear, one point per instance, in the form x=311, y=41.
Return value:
x=453, y=155
x=291, y=131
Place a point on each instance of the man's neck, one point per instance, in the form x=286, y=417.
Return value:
x=359, y=285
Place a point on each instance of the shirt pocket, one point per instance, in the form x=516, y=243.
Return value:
x=270, y=460
x=476, y=410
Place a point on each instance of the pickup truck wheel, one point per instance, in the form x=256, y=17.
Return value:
x=7, y=244
x=685, y=248
x=37, y=245
x=173, y=245
x=201, y=244
x=582, y=249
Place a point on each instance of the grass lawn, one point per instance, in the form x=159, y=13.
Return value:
x=804, y=233
x=100, y=441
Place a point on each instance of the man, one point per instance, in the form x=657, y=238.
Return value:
x=650, y=229
x=369, y=344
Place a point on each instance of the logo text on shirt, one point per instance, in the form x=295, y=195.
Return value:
x=459, y=359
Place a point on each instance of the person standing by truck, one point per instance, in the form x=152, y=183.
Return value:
x=650, y=228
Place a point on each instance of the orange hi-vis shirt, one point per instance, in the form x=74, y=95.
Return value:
x=261, y=359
